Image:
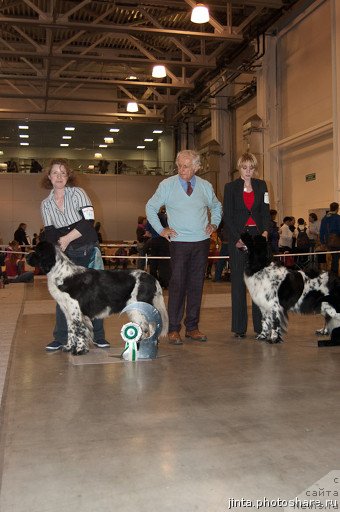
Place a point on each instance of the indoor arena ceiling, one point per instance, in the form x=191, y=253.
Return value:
x=83, y=61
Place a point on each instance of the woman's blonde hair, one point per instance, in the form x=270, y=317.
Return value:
x=245, y=158
x=71, y=179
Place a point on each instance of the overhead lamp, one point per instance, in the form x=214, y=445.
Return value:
x=158, y=71
x=200, y=14
x=24, y=143
x=131, y=77
x=114, y=130
x=102, y=146
x=69, y=128
x=90, y=167
x=108, y=140
x=157, y=131
x=132, y=106
x=148, y=140
x=67, y=137
x=23, y=127
x=64, y=145
x=140, y=147
x=98, y=155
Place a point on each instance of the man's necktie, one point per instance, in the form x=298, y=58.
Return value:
x=189, y=189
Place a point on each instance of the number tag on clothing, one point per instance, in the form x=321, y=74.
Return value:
x=87, y=212
x=266, y=198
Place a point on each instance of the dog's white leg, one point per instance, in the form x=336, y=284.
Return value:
x=276, y=332
x=266, y=326
x=79, y=327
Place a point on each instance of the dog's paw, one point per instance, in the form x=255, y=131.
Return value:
x=261, y=337
x=68, y=348
x=276, y=340
x=76, y=351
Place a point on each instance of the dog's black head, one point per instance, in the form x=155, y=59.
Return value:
x=258, y=252
x=44, y=256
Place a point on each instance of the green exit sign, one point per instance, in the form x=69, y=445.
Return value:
x=311, y=176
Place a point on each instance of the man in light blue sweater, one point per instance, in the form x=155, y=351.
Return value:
x=187, y=199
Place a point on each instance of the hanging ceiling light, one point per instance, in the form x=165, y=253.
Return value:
x=200, y=14
x=158, y=71
x=132, y=106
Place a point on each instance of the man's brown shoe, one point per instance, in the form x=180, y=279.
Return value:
x=196, y=335
x=175, y=338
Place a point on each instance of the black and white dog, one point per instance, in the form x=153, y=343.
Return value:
x=84, y=294
x=277, y=290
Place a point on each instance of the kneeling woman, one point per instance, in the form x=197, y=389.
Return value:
x=68, y=219
x=246, y=208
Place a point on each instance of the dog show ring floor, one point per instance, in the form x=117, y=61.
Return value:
x=196, y=429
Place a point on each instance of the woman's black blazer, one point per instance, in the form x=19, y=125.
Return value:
x=235, y=212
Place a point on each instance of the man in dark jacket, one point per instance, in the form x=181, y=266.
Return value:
x=330, y=232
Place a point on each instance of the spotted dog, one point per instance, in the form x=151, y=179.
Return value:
x=84, y=294
x=277, y=290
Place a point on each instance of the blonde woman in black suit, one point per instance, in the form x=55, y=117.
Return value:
x=246, y=208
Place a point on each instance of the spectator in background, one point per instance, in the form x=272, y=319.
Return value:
x=142, y=237
x=330, y=234
x=20, y=235
x=273, y=232
x=158, y=246
x=103, y=166
x=224, y=251
x=12, y=166
x=35, y=166
x=15, y=265
x=286, y=235
x=313, y=230
x=35, y=239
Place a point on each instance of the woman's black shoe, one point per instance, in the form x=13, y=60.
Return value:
x=239, y=335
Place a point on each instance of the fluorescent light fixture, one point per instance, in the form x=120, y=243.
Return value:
x=157, y=131
x=24, y=143
x=132, y=106
x=66, y=137
x=148, y=140
x=98, y=155
x=23, y=127
x=114, y=130
x=102, y=146
x=23, y=136
x=140, y=147
x=200, y=14
x=158, y=71
x=69, y=128
x=64, y=145
x=90, y=167
x=108, y=140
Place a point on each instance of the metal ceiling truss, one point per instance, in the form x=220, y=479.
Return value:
x=64, y=57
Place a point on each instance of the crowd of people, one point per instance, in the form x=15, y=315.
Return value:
x=184, y=228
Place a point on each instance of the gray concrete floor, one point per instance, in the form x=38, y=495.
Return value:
x=200, y=425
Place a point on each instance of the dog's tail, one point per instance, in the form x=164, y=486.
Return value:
x=158, y=303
